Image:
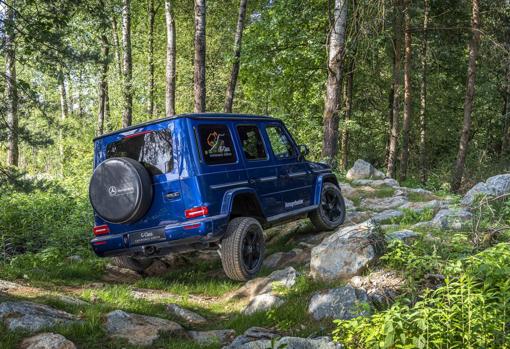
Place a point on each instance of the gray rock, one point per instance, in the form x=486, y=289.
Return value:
x=426, y=195
x=185, y=314
x=345, y=253
x=290, y=343
x=382, y=286
x=157, y=268
x=356, y=217
x=349, y=205
x=376, y=183
x=117, y=274
x=494, y=186
x=139, y=329
x=222, y=337
x=419, y=207
x=338, y=303
x=455, y=219
x=402, y=235
x=47, y=341
x=71, y=300
x=363, y=170
x=262, y=302
x=386, y=216
x=253, y=334
x=382, y=204
x=348, y=191
x=32, y=317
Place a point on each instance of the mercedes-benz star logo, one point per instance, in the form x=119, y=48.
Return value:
x=112, y=190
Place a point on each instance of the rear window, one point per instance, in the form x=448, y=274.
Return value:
x=152, y=149
x=216, y=144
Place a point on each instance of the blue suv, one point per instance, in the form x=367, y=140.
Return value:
x=205, y=181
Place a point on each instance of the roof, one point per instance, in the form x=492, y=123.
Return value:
x=191, y=116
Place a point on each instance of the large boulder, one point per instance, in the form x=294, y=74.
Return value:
x=282, y=259
x=32, y=317
x=494, y=186
x=381, y=286
x=262, y=302
x=290, y=343
x=382, y=204
x=454, y=219
x=421, y=206
x=386, y=216
x=346, y=252
x=251, y=335
x=47, y=341
x=117, y=274
x=364, y=170
x=376, y=183
x=138, y=329
x=284, y=278
x=342, y=303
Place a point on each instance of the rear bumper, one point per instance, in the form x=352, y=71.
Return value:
x=181, y=237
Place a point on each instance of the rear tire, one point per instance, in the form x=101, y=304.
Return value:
x=331, y=211
x=135, y=264
x=242, y=248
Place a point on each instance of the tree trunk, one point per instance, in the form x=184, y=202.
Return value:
x=404, y=156
x=11, y=87
x=115, y=35
x=63, y=114
x=505, y=140
x=170, y=60
x=468, y=101
x=199, y=62
x=335, y=62
x=150, y=59
x=423, y=95
x=127, y=114
x=103, y=86
x=231, y=87
x=349, y=83
x=397, y=88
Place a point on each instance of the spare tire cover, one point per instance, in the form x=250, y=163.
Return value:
x=120, y=190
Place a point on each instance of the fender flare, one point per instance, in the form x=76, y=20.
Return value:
x=230, y=195
x=327, y=177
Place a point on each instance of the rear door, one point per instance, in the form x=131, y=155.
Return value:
x=261, y=172
x=295, y=179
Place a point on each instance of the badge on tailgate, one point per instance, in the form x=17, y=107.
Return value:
x=143, y=237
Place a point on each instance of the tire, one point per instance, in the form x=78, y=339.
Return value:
x=120, y=190
x=135, y=264
x=322, y=218
x=241, y=233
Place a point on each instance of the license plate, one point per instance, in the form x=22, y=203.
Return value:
x=143, y=237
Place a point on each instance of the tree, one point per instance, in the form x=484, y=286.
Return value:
x=170, y=60
x=336, y=41
x=344, y=141
x=404, y=156
x=116, y=44
x=103, y=86
x=458, y=171
x=396, y=88
x=423, y=95
x=151, y=12
x=231, y=86
x=199, y=61
x=11, y=86
x=127, y=67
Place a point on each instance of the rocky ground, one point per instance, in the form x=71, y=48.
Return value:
x=309, y=279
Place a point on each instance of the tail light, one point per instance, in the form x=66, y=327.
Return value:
x=196, y=212
x=101, y=230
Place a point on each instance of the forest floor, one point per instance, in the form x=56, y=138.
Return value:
x=77, y=285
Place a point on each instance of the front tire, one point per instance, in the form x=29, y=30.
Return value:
x=331, y=211
x=242, y=248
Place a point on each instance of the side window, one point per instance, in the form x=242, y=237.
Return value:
x=216, y=144
x=280, y=142
x=251, y=141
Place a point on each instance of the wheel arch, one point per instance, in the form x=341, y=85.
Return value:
x=242, y=202
x=324, y=178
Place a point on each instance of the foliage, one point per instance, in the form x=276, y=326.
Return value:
x=471, y=310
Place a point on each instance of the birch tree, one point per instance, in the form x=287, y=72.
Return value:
x=170, y=60
x=199, y=60
x=127, y=67
x=11, y=86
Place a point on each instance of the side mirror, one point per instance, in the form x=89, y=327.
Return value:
x=303, y=151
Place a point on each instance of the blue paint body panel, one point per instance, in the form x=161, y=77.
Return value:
x=283, y=188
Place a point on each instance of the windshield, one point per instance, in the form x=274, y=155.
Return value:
x=152, y=149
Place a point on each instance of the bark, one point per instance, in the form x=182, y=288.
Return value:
x=127, y=68
x=406, y=124
x=397, y=89
x=349, y=83
x=199, y=61
x=11, y=87
x=505, y=141
x=468, y=101
x=423, y=95
x=336, y=41
x=115, y=36
x=170, y=60
x=231, y=87
x=103, y=86
x=150, y=59
x=64, y=110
